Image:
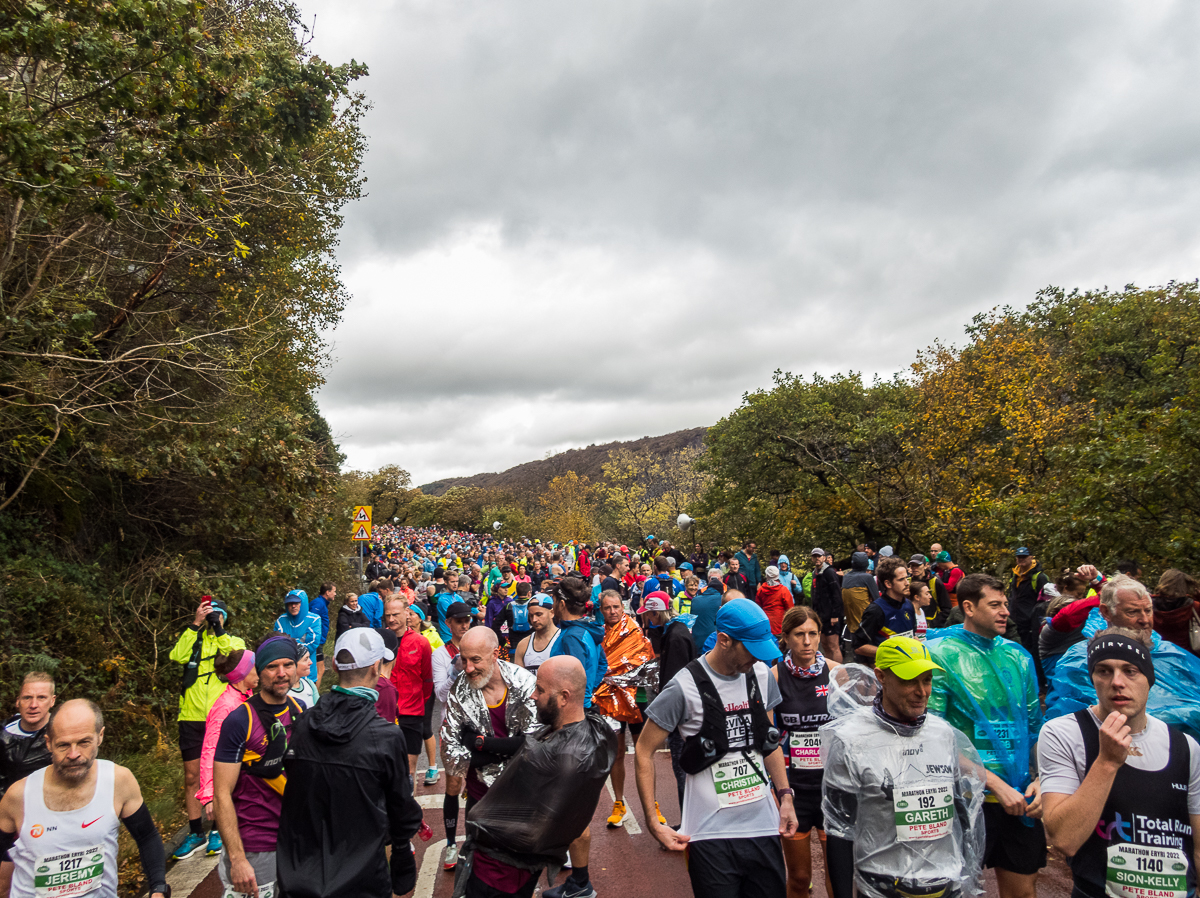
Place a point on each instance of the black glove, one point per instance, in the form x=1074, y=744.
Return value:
x=470, y=737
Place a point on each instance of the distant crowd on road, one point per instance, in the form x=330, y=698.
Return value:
x=925, y=722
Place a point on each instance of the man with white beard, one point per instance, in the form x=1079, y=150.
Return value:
x=489, y=710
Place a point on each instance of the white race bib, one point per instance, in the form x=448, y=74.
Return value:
x=736, y=781
x=267, y=891
x=1140, y=871
x=804, y=750
x=68, y=873
x=923, y=812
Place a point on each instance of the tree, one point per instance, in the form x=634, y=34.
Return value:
x=569, y=509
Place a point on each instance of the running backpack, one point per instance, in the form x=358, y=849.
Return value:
x=711, y=744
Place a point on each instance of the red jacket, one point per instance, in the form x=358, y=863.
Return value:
x=775, y=599
x=412, y=674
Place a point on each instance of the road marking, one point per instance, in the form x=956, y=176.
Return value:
x=431, y=863
x=629, y=822
x=430, y=801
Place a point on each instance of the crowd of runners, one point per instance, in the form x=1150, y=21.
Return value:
x=922, y=722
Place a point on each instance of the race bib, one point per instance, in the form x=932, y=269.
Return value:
x=923, y=812
x=1140, y=871
x=68, y=873
x=804, y=750
x=736, y=781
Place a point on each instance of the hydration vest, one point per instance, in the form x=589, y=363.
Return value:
x=520, y=617
x=711, y=743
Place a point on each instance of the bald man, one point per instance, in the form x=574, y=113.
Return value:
x=580, y=749
x=488, y=712
x=75, y=805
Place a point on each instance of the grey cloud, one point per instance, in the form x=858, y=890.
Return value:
x=682, y=197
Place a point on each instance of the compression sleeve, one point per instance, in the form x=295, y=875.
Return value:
x=7, y=841
x=150, y=847
x=839, y=854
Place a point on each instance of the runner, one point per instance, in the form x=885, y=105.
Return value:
x=236, y=670
x=1122, y=788
x=544, y=798
x=196, y=649
x=534, y=649
x=73, y=807
x=412, y=675
x=488, y=711
x=903, y=791
x=889, y=615
x=23, y=746
x=629, y=656
x=803, y=679
x=988, y=691
x=305, y=690
x=826, y=594
x=248, y=771
x=731, y=824
x=349, y=793
x=446, y=668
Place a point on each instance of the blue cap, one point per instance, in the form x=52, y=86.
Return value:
x=686, y=566
x=542, y=599
x=296, y=595
x=744, y=621
x=650, y=537
x=1022, y=551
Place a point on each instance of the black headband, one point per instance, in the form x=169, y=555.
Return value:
x=1120, y=648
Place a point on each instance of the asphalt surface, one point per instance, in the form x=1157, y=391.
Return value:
x=626, y=861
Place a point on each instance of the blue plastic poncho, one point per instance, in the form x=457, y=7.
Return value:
x=1174, y=697
x=987, y=689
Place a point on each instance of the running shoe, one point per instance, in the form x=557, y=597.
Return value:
x=618, y=814
x=214, y=843
x=451, y=858
x=431, y=775
x=191, y=845
x=658, y=811
x=571, y=890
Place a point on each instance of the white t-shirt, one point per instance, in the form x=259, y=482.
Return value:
x=14, y=728
x=709, y=812
x=1062, y=757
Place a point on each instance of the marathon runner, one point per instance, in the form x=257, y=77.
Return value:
x=903, y=791
x=196, y=649
x=535, y=648
x=1122, y=788
x=629, y=656
x=348, y=794
x=488, y=711
x=58, y=826
x=23, y=746
x=803, y=678
x=248, y=769
x=720, y=705
x=236, y=670
x=988, y=691
x=889, y=615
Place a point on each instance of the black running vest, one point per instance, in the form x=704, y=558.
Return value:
x=803, y=710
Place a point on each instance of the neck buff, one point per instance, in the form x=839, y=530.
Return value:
x=1112, y=647
x=814, y=670
x=273, y=648
x=371, y=695
x=914, y=724
x=244, y=666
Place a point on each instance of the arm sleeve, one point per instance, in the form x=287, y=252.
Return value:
x=182, y=652
x=404, y=819
x=840, y=855
x=150, y=846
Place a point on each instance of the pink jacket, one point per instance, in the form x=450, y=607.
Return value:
x=226, y=702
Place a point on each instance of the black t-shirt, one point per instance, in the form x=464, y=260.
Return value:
x=612, y=583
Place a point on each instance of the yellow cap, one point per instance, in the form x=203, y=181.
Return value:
x=905, y=657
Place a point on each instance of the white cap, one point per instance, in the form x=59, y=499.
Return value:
x=365, y=647
x=818, y=551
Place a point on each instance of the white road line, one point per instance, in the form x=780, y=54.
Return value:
x=430, y=801
x=431, y=864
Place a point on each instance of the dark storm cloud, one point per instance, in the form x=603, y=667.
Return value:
x=592, y=222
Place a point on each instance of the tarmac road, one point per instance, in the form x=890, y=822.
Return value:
x=625, y=862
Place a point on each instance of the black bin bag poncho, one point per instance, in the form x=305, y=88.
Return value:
x=547, y=794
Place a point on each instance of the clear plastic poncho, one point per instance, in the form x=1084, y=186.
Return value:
x=909, y=798
x=1174, y=697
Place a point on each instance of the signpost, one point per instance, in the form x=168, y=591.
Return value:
x=360, y=531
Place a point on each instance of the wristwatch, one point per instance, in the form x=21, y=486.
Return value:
x=779, y=793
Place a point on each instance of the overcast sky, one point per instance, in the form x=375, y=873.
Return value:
x=599, y=221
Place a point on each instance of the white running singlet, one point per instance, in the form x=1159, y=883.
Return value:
x=64, y=854
x=533, y=659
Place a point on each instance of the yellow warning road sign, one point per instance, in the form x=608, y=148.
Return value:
x=362, y=532
x=362, y=514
